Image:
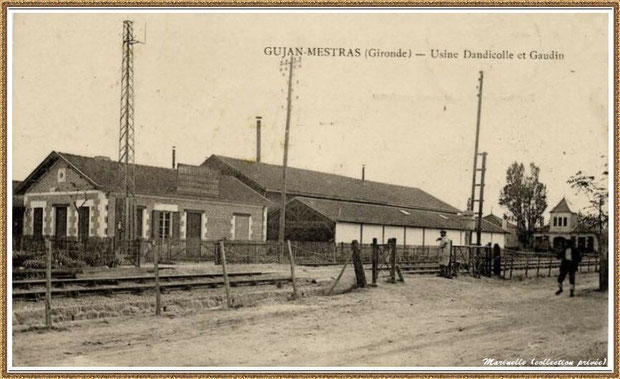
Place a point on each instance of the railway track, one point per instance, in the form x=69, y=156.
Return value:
x=35, y=290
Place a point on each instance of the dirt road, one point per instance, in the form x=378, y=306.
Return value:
x=427, y=321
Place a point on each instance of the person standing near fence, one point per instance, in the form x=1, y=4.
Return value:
x=445, y=248
x=570, y=261
x=497, y=260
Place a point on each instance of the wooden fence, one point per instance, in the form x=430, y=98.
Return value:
x=533, y=264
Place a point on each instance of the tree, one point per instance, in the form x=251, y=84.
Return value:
x=525, y=198
x=597, y=193
x=596, y=215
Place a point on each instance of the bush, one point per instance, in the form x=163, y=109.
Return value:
x=68, y=253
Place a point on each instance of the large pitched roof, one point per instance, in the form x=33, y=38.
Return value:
x=107, y=175
x=346, y=211
x=301, y=182
x=497, y=221
x=562, y=207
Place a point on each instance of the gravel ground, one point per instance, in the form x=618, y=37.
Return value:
x=427, y=321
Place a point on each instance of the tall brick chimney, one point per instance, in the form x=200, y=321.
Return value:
x=174, y=157
x=258, y=143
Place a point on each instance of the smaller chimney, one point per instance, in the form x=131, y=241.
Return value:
x=258, y=143
x=363, y=172
x=174, y=157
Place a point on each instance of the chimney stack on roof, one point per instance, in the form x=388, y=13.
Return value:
x=258, y=142
x=363, y=172
x=174, y=157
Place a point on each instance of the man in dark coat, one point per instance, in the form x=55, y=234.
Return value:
x=497, y=260
x=570, y=261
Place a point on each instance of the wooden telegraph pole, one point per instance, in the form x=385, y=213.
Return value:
x=473, y=179
x=603, y=268
x=48, y=283
x=287, y=64
x=481, y=199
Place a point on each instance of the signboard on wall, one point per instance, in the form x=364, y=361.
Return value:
x=198, y=181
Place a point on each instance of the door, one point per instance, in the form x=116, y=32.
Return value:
x=193, y=236
x=139, y=221
x=61, y=222
x=37, y=223
x=83, y=223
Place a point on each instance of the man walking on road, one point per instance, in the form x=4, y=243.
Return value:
x=570, y=261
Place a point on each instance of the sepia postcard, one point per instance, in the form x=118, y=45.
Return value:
x=310, y=190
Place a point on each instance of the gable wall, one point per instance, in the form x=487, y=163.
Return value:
x=49, y=182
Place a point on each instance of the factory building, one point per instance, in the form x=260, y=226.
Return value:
x=335, y=208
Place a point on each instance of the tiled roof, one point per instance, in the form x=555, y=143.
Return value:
x=497, y=221
x=562, y=207
x=18, y=200
x=583, y=228
x=301, y=182
x=107, y=175
x=346, y=211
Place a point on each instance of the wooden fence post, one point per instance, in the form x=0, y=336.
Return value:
x=512, y=259
x=392, y=243
x=48, y=284
x=550, y=263
x=505, y=259
x=157, y=288
x=596, y=261
x=527, y=264
x=292, y=259
x=375, y=261
x=358, y=265
x=538, y=266
x=401, y=278
x=344, y=266
x=226, y=284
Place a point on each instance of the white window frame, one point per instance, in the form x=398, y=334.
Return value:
x=163, y=215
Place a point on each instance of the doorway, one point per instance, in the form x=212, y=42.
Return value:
x=60, y=225
x=193, y=238
x=83, y=223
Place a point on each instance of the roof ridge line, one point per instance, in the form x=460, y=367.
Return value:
x=317, y=171
x=381, y=204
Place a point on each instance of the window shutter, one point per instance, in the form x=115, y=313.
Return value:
x=155, y=225
x=176, y=227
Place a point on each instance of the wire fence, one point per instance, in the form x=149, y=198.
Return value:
x=93, y=252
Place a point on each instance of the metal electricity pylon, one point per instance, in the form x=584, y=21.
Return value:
x=286, y=66
x=126, y=141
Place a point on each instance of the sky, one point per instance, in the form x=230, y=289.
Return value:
x=200, y=80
